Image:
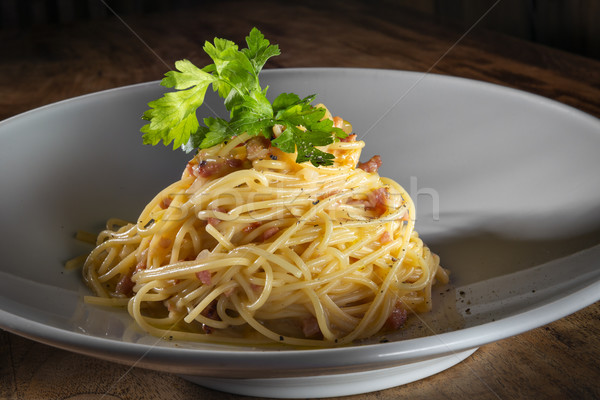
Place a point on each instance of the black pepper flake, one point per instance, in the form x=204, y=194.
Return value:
x=202, y=163
x=273, y=157
x=281, y=338
x=394, y=259
x=316, y=202
x=149, y=223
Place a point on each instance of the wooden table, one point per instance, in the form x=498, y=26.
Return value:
x=50, y=63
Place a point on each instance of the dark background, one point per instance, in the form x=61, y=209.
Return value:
x=570, y=25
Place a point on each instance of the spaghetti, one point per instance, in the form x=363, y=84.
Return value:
x=251, y=247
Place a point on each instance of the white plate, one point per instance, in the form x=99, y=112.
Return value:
x=506, y=186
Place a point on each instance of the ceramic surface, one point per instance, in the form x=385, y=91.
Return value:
x=505, y=184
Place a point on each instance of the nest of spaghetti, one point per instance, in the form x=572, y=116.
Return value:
x=250, y=247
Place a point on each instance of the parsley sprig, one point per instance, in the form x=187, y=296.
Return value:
x=234, y=76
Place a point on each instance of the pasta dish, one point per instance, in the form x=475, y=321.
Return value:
x=250, y=240
x=252, y=246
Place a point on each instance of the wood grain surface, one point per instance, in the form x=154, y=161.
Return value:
x=48, y=63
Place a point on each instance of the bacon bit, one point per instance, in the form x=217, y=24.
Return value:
x=164, y=242
x=213, y=221
x=338, y=122
x=372, y=165
x=204, y=277
x=397, y=318
x=208, y=168
x=165, y=202
x=269, y=233
x=310, y=327
x=125, y=285
x=214, y=168
x=385, y=238
x=251, y=227
x=349, y=138
x=210, y=312
x=189, y=168
x=233, y=163
x=376, y=200
x=140, y=266
x=258, y=148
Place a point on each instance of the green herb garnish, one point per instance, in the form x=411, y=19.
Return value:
x=234, y=76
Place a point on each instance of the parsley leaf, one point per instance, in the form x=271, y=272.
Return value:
x=234, y=76
x=259, y=50
x=173, y=117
